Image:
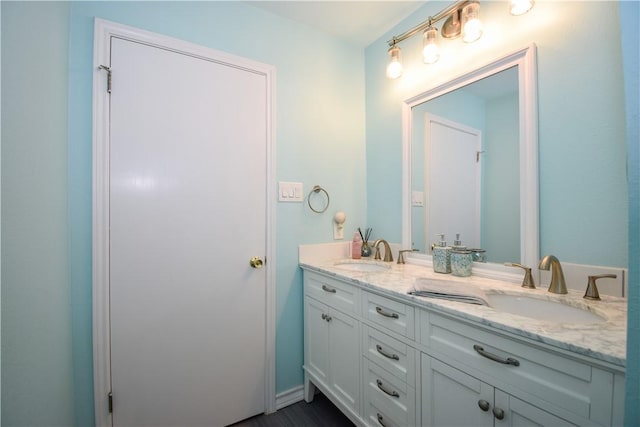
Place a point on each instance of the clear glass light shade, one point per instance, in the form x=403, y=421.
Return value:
x=520, y=7
x=394, y=69
x=430, y=49
x=471, y=25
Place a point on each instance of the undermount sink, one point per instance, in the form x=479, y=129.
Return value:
x=541, y=309
x=363, y=266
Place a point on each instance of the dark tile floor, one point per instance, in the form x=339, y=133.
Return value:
x=319, y=413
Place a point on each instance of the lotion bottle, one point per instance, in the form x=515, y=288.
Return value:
x=356, y=246
x=441, y=256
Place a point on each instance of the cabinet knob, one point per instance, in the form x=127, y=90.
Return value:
x=498, y=413
x=327, y=318
x=484, y=405
x=324, y=316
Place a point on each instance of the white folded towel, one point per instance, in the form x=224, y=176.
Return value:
x=449, y=290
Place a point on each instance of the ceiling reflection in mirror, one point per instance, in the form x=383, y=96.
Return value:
x=465, y=175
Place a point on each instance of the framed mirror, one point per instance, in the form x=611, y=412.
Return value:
x=470, y=163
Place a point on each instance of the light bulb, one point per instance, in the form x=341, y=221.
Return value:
x=520, y=7
x=471, y=25
x=430, y=49
x=394, y=69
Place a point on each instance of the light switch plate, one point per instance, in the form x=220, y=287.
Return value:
x=417, y=198
x=290, y=191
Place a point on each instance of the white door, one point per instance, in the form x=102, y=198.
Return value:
x=187, y=212
x=453, y=180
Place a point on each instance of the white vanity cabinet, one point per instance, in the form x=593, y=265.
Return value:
x=387, y=360
x=331, y=337
x=561, y=383
x=451, y=397
x=389, y=364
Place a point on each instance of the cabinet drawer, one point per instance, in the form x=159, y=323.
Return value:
x=336, y=294
x=388, y=401
x=560, y=382
x=392, y=355
x=393, y=315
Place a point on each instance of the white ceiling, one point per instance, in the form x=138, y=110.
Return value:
x=357, y=22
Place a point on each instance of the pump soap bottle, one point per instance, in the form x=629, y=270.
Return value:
x=356, y=246
x=457, y=244
x=441, y=256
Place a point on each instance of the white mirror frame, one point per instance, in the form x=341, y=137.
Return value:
x=525, y=60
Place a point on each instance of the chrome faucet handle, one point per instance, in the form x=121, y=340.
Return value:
x=401, y=254
x=592, y=290
x=527, y=281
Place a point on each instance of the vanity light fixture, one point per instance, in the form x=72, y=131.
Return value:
x=461, y=18
x=520, y=7
x=430, y=48
x=471, y=25
x=394, y=69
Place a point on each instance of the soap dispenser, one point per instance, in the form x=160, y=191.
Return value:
x=457, y=243
x=441, y=256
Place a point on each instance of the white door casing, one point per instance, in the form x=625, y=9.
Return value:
x=104, y=32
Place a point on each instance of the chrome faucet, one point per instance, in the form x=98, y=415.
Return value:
x=388, y=256
x=557, y=285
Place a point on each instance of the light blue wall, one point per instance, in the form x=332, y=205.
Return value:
x=319, y=140
x=36, y=311
x=501, y=200
x=629, y=18
x=581, y=120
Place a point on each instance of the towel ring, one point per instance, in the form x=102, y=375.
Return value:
x=316, y=189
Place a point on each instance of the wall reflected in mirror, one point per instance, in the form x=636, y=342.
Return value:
x=466, y=168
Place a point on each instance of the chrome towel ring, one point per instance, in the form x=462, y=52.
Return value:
x=315, y=190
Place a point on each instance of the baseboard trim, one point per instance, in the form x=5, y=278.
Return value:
x=289, y=397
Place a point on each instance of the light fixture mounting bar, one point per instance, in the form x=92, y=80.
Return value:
x=426, y=24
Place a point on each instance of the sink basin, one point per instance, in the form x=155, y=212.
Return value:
x=541, y=309
x=362, y=266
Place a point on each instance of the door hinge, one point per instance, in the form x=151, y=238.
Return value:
x=110, y=397
x=108, y=70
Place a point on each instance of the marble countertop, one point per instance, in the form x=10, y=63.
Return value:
x=605, y=341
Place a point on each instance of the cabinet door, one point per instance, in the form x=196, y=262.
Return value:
x=452, y=398
x=344, y=358
x=522, y=414
x=316, y=338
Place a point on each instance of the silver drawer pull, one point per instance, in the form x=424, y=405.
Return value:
x=381, y=386
x=385, y=354
x=328, y=289
x=381, y=420
x=508, y=361
x=380, y=311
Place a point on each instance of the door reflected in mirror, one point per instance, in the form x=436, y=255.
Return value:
x=465, y=171
x=470, y=163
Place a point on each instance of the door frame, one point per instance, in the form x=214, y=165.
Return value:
x=103, y=31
